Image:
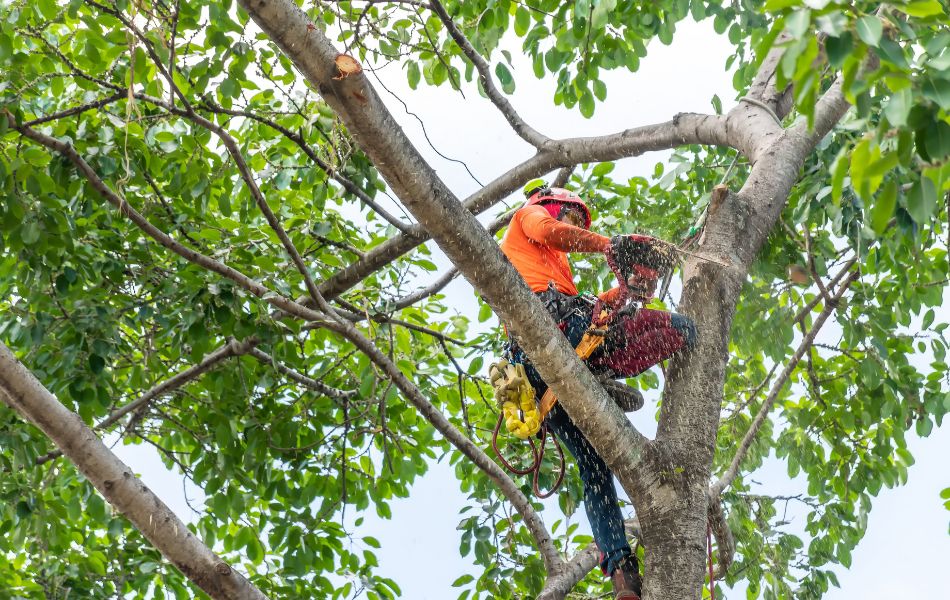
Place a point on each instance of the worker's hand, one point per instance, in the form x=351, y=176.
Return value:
x=642, y=282
x=632, y=249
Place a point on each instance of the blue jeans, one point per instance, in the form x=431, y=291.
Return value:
x=600, y=495
x=640, y=350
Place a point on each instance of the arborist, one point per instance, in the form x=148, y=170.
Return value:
x=552, y=223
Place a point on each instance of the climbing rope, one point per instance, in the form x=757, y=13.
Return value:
x=712, y=587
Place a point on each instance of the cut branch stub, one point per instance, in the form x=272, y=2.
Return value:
x=346, y=65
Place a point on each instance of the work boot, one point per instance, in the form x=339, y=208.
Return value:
x=626, y=580
x=626, y=397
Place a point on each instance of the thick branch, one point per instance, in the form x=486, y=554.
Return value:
x=116, y=482
x=456, y=230
x=683, y=129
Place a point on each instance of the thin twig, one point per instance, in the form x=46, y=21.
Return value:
x=232, y=348
x=732, y=472
x=524, y=131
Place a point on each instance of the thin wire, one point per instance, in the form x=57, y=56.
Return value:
x=424, y=132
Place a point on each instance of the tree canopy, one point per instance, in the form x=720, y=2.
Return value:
x=206, y=249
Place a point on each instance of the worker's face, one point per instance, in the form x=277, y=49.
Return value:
x=573, y=216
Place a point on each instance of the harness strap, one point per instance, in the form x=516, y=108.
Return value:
x=591, y=341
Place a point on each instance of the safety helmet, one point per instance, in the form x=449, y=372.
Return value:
x=549, y=195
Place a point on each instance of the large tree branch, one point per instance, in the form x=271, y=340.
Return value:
x=686, y=128
x=525, y=131
x=116, y=482
x=734, y=231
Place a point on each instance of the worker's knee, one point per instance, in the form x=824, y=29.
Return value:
x=686, y=328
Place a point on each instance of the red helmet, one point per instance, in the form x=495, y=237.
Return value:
x=548, y=195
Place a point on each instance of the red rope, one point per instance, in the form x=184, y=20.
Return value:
x=537, y=457
x=712, y=589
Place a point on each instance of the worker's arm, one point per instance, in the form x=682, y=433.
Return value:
x=610, y=296
x=642, y=284
x=540, y=227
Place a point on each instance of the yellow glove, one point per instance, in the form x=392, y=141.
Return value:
x=515, y=394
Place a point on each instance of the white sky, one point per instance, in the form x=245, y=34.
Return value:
x=907, y=544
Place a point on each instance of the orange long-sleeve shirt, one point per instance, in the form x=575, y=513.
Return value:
x=537, y=245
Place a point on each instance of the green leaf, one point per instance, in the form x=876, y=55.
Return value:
x=587, y=104
x=922, y=200
x=937, y=141
x=476, y=365
x=484, y=312
x=883, y=208
x=412, y=74
x=229, y=88
x=30, y=233
x=522, y=21
x=870, y=28
x=839, y=172
x=898, y=107
x=882, y=165
x=921, y=8
x=937, y=90
x=505, y=78
x=463, y=580
x=838, y=48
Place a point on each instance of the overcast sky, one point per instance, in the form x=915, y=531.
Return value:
x=907, y=543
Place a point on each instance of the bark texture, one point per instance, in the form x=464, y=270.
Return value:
x=118, y=485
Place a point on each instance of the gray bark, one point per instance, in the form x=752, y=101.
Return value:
x=118, y=485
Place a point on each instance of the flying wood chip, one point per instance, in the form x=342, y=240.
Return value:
x=346, y=65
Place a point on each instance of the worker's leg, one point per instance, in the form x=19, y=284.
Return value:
x=637, y=343
x=600, y=495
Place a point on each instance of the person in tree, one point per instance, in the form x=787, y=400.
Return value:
x=552, y=223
